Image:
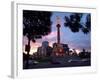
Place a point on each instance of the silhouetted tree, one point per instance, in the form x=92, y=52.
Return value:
x=85, y=54
x=74, y=22
x=35, y=25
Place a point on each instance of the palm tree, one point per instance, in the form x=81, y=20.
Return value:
x=74, y=22
x=35, y=25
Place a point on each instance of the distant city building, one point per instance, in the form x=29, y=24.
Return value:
x=58, y=49
x=44, y=50
x=63, y=47
x=66, y=48
x=45, y=44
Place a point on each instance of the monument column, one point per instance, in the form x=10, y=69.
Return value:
x=58, y=30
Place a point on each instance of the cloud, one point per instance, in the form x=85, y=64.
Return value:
x=35, y=45
x=51, y=35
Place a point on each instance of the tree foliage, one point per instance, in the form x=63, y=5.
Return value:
x=36, y=24
x=74, y=22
